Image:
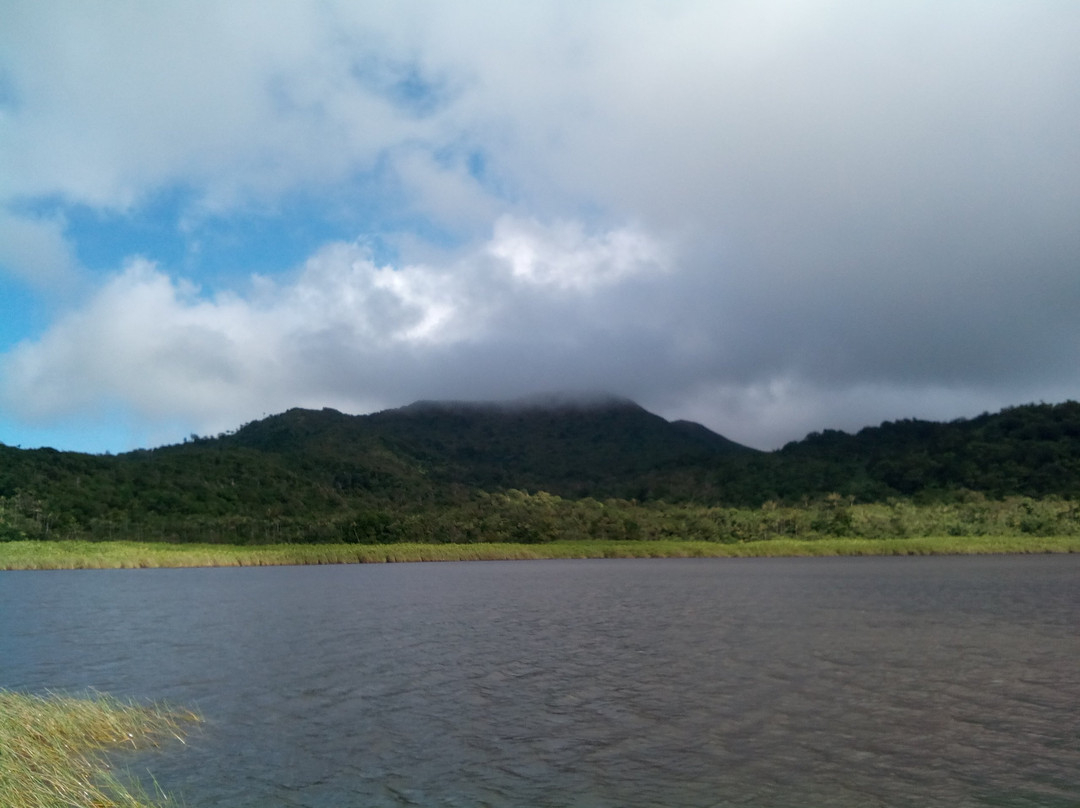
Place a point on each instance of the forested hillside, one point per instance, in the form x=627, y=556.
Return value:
x=529, y=471
x=1032, y=451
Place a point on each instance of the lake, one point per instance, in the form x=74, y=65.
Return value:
x=944, y=681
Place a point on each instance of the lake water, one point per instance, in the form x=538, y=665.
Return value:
x=708, y=682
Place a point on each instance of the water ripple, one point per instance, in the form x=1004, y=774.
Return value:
x=832, y=682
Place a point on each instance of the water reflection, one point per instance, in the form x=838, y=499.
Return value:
x=852, y=682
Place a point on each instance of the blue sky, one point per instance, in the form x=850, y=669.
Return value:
x=770, y=217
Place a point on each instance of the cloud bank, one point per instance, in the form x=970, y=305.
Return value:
x=344, y=330
x=770, y=217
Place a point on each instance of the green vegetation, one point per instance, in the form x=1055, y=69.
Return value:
x=532, y=474
x=520, y=517
x=1031, y=451
x=51, y=748
x=32, y=555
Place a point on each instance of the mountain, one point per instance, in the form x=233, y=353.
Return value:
x=1031, y=450
x=455, y=468
x=569, y=446
x=313, y=475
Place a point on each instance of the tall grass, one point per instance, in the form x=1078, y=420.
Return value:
x=42, y=555
x=52, y=747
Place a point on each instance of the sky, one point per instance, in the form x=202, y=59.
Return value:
x=771, y=216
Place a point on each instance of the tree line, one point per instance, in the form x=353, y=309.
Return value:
x=618, y=473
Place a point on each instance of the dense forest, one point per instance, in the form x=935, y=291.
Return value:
x=545, y=469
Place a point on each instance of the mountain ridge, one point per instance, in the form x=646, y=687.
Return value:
x=325, y=474
x=567, y=446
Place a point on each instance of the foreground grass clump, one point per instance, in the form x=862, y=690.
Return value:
x=42, y=555
x=51, y=748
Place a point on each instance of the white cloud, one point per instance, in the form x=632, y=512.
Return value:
x=567, y=258
x=827, y=198
x=343, y=331
x=36, y=250
x=747, y=117
x=445, y=191
x=533, y=309
x=238, y=101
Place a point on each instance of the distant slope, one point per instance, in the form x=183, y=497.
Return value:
x=1031, y=450
x=599, y=446
x=314, y=475
x=608, y=446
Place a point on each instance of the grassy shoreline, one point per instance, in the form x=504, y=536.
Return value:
x=46, y=555
x=52, y=747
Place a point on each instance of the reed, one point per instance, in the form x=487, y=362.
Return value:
x=44, y=555
x=52, y=748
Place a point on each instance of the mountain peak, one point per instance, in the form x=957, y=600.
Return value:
x=541, y=402
x=565, y=443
